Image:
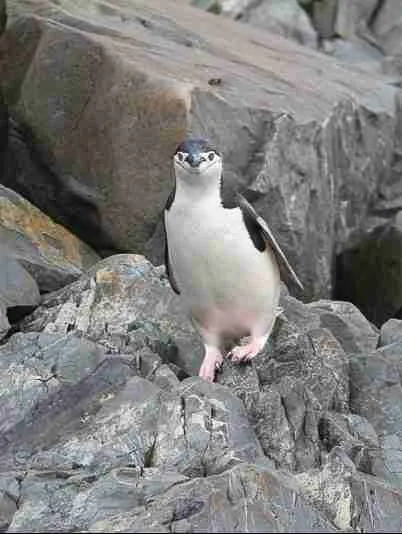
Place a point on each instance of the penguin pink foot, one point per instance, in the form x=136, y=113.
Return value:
x=249, y=351
x=212, y=361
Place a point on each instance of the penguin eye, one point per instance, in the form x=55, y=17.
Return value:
x=180, y=156
x=211, y=156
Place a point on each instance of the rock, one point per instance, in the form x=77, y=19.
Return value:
x=376, y=394
x=34, y=367
x=19, y=292
x=377, y=505
x=50, y=254
x=243, y=498
x=391, y=332
x=213, y=6
x=329, y=488
x=9, y=493
x=387, y=26
x=58, y=195
x=126, y=304
x=323, y=16
x=354, y=17
x=369, y=274
x=99, y=434
x=358, y=53
x=392, y=66
x=301, y=374
x=346, y=322
x=284, y=17
x=192, y=430
x=326, y=127
x=352, y=500
x=356, y=437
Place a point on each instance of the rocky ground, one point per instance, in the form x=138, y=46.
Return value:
x=103, y=425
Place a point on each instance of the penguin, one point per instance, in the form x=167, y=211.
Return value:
x=221, y=258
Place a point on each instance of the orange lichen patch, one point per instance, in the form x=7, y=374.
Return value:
x=53, y=241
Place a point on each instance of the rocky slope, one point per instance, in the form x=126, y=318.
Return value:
x=101, y=430
x=103, y=425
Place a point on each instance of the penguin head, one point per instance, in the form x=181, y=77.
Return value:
x=197, y=163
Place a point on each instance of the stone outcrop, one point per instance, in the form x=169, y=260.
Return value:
x=36, y=255
x=102, y=430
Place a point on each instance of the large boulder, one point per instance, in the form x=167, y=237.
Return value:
x=36, y=255
x=50, y=253
x=307, y=142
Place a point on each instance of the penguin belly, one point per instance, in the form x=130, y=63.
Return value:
x=227, y=285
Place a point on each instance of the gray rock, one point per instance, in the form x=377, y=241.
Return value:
x=353, y=331
x=126, y=304
x=18, y=290
x=387, y=26
x=325, y=127
x=284, y=17
x=376, y=394
x=98, y=433
x=358, y=53
x=9, y=494
x=352, y=500
x=328, y=488
x=243, y=498
x=377, y=505
x=302, y=373
x=391, y=332
x=354, y=17
x=369, y=273
x=357, y=437
x=35, y=366
x=323, y=16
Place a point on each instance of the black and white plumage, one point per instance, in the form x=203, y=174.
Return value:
x=221, y=257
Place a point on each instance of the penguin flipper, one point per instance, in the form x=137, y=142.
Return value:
x=168, y=267
x=249, y=212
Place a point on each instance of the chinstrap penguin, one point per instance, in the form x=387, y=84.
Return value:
x=220, y=257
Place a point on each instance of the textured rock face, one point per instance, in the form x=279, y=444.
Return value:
x=376, y=393
x=284, y=17
x=388, y=27
x=109, y=439
x=35, y=255
x=308, y=158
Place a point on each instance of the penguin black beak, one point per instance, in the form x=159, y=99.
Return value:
x=194, y=159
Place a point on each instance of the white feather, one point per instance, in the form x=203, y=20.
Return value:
x=227, y=285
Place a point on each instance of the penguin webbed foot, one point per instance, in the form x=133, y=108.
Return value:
x=212, y=362
x=245, y=353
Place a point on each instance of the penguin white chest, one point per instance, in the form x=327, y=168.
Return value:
x=221, y=275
